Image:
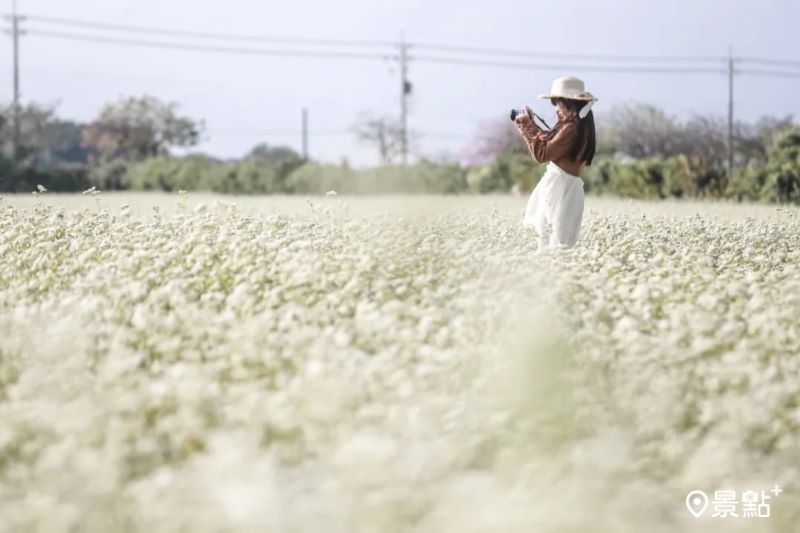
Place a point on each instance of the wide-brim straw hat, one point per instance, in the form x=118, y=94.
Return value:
x=569, y=87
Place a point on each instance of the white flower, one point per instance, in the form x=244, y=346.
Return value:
x=423, y=362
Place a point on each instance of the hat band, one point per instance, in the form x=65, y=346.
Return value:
x=585, y=109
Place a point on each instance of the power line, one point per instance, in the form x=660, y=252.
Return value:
x=403, y=52
x=171, y=32
x=207, y=48
x=766, y=61
x=769, y=73
x=360, y=55
x=540, y=54
x=490, y=51
x=422, y=45
x=561, y=67
x=206, y=35
x=70, y=22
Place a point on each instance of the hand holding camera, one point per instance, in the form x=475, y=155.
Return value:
x=515, y=113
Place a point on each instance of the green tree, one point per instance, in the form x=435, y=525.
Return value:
x=44, y=139
x=282, y=158
x=440, y=177
x=137, y=128
x=191, y=173
x=782, y=173
x=747, y=183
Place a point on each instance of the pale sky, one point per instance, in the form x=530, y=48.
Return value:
x=245, y=100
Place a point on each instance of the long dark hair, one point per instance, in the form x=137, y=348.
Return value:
x=586, y=143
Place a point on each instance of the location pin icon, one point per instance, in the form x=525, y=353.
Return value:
x=697, y=502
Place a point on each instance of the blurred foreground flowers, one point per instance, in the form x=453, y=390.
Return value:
x=217, y=370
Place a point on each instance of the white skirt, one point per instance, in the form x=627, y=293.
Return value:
x=555, y=208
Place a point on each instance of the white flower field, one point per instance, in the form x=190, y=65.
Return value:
x=400, y=364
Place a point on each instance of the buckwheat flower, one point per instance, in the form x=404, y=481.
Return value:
x=428, y=366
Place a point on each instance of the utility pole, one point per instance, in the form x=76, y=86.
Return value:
x=405, y=92
x=730, y=111
x=305, y=133
x=15, y=33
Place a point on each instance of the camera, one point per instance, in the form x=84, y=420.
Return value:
x=517, y=112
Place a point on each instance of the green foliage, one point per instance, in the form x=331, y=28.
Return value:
x=481, y=179
x=693, y=177
x=642, y=178
x=263, y=171
x=523, y=170
x=138, y=128
x=64, y=177
x=782, y=183
x=173, y=174
x=316, y=178
x=747, y=183
x=597, y=177
x=253, y=176
x=644, y=154
x=440, y=178
x=5, y=168
x=284, y=159
x=675, y=177
x=44, y=139
x=775, y=180
x=512, y=168
x=109, y=175
x=426, y=176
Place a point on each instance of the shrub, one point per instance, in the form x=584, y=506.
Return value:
x=173, y=174
x=782, y=177
x=109, y=176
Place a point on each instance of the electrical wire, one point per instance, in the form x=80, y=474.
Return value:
x=431, y=46
x=208, y=48
x=544, y=66
x=206, y=35
x=766, y=61
x=769, y=73
x=359, y=55
x=558, y=55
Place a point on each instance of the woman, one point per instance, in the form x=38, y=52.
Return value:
x=555, y=208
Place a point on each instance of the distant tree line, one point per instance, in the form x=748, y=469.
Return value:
x=642, y=153
x=645, y=153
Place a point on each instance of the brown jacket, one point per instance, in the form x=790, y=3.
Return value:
x=556, y=145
